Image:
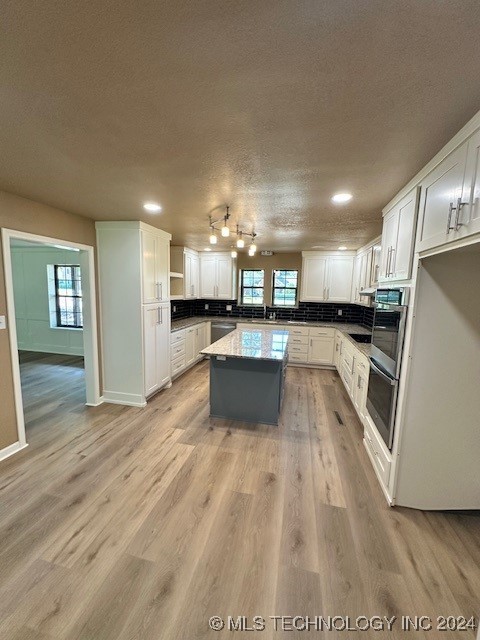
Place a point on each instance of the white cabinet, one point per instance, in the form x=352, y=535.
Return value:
x=360, y=386
x=155, y=266
x=469, y=217
x=156, y=334
x=184, y=273
x=186, y=345
x=314, y=275
x=440, y=199
x=339, y=278
x=133, y=266
x=217, y=276
x=326, y=278
x=398, y=238
x=321, y=350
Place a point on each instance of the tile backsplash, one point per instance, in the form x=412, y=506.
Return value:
x=306, y=311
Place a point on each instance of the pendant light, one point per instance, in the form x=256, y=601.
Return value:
x=240, y=240
x=233, y=253
x=213, y=236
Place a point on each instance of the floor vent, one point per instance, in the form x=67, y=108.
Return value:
x=339, y=418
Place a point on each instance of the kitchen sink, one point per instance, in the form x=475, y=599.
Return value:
x=364, y=338
x=296, y=322
x=264, y=321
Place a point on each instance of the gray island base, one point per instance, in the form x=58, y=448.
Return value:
x=247, y=375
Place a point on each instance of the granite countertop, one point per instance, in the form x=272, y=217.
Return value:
x=254, y=343
x=344, y=327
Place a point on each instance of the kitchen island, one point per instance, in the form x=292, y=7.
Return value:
x=247, y=372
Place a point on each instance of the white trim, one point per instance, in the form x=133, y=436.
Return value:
x=90, y=337
x=100, y=401
x=11, y=449
x=458, y=139
x=130, y=399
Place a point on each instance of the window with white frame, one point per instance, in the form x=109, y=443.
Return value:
x=285, y=287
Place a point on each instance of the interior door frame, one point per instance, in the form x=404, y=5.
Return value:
x=90, y=332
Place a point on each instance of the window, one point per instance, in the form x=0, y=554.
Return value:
x=252, y=286
x=68, y=295
x=284, y=287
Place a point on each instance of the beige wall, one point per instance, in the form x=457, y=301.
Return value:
x=269, y=263
x=26, y=215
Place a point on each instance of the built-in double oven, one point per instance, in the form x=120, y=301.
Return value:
x=387, y=344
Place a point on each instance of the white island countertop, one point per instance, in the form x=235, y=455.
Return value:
x=252, y=343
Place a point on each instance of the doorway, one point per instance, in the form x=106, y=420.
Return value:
x=52, y=318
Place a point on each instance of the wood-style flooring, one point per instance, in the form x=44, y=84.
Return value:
x=139, y=524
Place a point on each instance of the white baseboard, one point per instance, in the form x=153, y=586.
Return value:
x=11, y=450
x=101, y=400
x=128, y=399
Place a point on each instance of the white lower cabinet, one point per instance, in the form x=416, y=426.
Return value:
x=379, y=455
x=321, y=346
x=186, y=345
x=353, y=367
x=156, y=331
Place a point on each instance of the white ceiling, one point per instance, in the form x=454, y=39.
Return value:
x=268, y=106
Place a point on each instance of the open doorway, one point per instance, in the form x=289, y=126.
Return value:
x=53, y=330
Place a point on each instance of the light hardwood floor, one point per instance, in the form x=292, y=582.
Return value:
x=122, y=523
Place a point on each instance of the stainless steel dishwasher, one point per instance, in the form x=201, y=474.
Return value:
x=221, y=328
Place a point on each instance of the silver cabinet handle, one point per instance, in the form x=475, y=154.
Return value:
x=353, y=365
x=311, y=342
x=387, y=266
x=449, y=221
x=458, y=208
x=159, y=315
x=324, y=293
x=392, y=261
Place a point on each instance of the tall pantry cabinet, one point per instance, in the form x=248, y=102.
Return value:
x=133, y=266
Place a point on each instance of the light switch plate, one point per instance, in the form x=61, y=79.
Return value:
x=206, y=307
x=340, y=312
x=228, y=307
x=222, y=358
x=3, y=322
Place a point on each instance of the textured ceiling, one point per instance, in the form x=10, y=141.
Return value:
x=270, y=106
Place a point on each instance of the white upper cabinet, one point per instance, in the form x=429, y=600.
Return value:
x=217, y=276
x=155, y=266
x=441, y=196
x=185, y=277
x=339, y=278
x=469, y=217
x=326, y=278
x=314, y=271
x=398, y=237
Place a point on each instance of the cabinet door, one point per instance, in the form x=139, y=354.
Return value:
x=187, y=276
x=149, y=273
x=162, y=346
x=440, y=192
x=339, y=282
x=314, y=269
x=402, y=253
x=389, y=241
x=194, y=277
x=320, y=350
x=162, y=269
x=224, y=277
x=208, y=284
x=375, y=271
x=469, y=216
x=201, y=337
x=190, y=345
x=337, y=352
x=151, y=314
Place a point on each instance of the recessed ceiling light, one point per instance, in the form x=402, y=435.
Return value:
x=152, y=207
x=207, y=249
x=342, y=248
x=340, y=198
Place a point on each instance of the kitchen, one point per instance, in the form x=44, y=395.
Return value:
x=239, y=321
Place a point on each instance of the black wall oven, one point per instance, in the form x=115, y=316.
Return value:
x=385, y=362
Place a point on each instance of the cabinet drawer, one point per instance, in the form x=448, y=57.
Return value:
x=298, y=348
x=298, y=331
x=177, y=336
x=297, y=357
x=177, y=350
x=315, y=332
x=178, y=364
x=379, y=457
x=297, y=340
